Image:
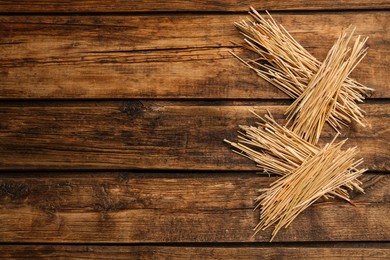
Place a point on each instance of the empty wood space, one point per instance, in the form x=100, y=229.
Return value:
x=355, y=250
x=87, y=6
x=128, y=207
x=112, y=120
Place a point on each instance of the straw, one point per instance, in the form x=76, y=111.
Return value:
x=284, y=63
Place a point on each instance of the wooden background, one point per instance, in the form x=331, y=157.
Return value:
x=112, y=116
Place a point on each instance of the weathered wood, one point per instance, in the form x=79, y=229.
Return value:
x=136, y=207
x=153, y=135
x=328, y=252
x=44, y=6
x=179, y=56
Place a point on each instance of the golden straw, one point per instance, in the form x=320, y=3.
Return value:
x=284, y=63
x=307, y=171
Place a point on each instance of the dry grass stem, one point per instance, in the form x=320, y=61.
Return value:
x=283, y=62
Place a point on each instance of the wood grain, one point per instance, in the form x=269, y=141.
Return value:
x=328, y=252
x=145, y=207
x=145, y=174
x=178, y=56
x=153, y=135
x=44, y=6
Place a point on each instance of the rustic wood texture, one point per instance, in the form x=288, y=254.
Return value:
x=44, y=6
x=164, y=56
x=135, y=207
x=154, y=135
x=347, y=251
x=112, y=116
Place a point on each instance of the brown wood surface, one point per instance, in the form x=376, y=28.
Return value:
x=160, y=56
x=44, y=6
x=156, y=207
x=298, y=252
x=154, y=135
x=112, y=116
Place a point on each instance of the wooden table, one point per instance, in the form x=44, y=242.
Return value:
x=112, y=117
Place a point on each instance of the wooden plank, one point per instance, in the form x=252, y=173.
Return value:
x=145, y=207
x=153, y=135
x=44, y=6
x=180, y=56
x=328, y=252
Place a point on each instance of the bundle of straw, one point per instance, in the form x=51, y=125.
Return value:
x=307, y=171
x=283, y=62
x=326, y=171
x=278, y=150
x=313, y=107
